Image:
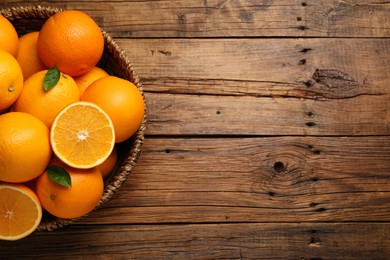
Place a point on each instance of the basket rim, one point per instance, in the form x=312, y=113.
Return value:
x=123, y=171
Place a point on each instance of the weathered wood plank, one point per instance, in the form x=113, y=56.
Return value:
x=210, y=241
x=272, y=179
x=221, y=18
x=174, y=114
x=308, y=68
x=286, y=86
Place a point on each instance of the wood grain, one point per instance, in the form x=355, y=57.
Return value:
x=174, y=114
x=267, y=137
x=284, y=86
x=210, y=241
x=299, y=68
x=271, y=179
x=233, y=18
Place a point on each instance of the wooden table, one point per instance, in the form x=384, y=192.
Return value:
x=267, y=136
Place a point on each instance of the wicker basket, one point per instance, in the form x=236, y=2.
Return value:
x=115, y=62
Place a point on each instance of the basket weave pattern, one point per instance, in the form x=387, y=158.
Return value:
x=115, y=62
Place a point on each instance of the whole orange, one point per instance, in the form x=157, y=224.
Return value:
x=109, y=164
x=27, y=55
x=71, y=40
x=121, y=100
x=86, y=79
x=70, y=202
x=8, y=36
x=11, y=80
x=45, y=105
x=25, y=149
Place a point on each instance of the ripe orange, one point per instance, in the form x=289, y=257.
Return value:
x=27, y=55
x=82, y=135
x=24, y=147
x=72, y=41
x=121, y=100
x=20, y=211
x=11, y=80
x=8, y=36
x=109, y=164
x=75, y=201
x=86, y=79
x=45, y=105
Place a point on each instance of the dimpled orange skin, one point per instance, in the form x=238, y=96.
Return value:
x=121, y=100
x=70, y=202
x=11, y=80
x=9, y=40
x=45, y=105
x=72, y=41
x=109, y=164
x=88, y=78
x=27, y=55
x=25, y=149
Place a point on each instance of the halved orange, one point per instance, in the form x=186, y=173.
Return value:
x=82, y=135
x=20, y=211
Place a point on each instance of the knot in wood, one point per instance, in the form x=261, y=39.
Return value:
x=334, y=79
x=279, y=167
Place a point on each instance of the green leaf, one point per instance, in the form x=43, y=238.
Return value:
x=59, y=175
x=51, y=78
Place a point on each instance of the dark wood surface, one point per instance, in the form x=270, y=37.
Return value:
x=268, y=133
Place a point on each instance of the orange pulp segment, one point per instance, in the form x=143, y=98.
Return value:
x=20, y=211
x=82, y=135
